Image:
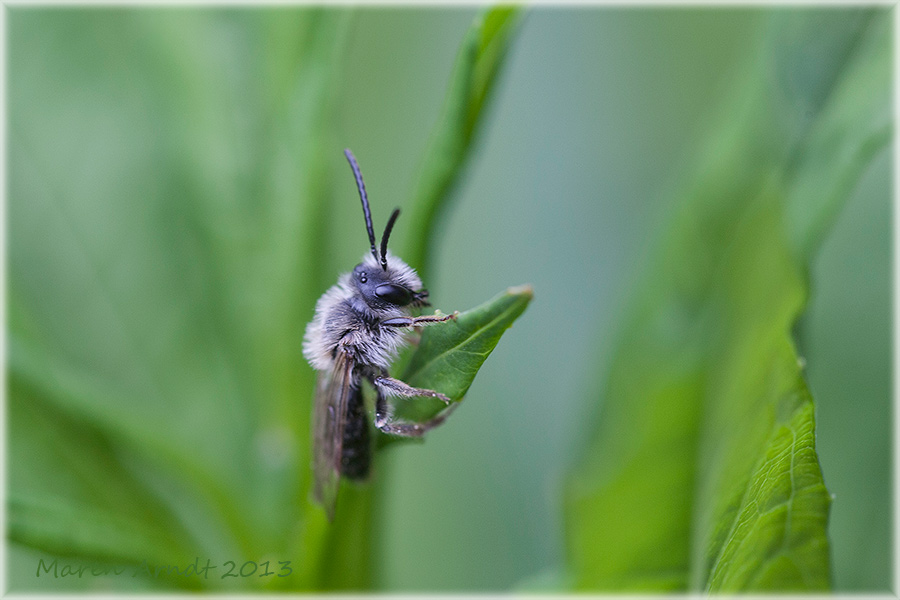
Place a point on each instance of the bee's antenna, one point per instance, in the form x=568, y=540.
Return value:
x=365, y=201
x=387, y=234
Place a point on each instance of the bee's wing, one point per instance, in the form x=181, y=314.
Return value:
x=332, y=393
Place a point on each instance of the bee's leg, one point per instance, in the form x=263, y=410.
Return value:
x=395, y=387
x=383, y=412
x=384, y=419
x=418, y=321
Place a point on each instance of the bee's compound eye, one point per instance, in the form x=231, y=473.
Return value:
x=395, y=294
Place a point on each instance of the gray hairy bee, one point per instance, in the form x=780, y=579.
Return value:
x=359, y=326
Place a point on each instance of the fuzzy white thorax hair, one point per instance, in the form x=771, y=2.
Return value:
x=322, y=336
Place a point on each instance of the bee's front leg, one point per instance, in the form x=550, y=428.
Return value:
x=418, y=321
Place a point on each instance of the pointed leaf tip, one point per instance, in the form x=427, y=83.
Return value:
x=450, y=354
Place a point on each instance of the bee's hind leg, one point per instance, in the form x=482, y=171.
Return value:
x=384, y=417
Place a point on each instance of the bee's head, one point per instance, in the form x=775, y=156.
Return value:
x=394, y=287
x=383, y=279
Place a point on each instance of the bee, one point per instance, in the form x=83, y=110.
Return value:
x=360, y=324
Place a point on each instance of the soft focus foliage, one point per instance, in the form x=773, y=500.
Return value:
x=703, y=473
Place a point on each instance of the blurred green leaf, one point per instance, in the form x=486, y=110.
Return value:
x=701, y=473
x=854, y=124
x=475, y=75
x=163, y=262
x=84, y=531
x=83, y=504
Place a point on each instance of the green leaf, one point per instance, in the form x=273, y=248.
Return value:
x=701, y=472
x=854, y=125
x=63, y=528
x=449, y=354
x=85, y=504
x=475, y=75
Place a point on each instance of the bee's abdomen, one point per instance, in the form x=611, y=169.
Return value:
x=356, y=451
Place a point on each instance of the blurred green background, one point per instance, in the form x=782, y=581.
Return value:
x=597, y=113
